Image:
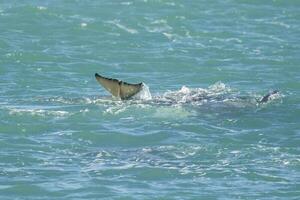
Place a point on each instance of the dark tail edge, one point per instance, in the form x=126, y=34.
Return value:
x=266, y=98
x=96, y=74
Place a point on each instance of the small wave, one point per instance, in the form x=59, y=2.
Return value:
x=169, y=35
x=114, y=110
x=123, y=27
x=159, y=21
x=158, y=26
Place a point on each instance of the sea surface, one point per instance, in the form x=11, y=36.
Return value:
x=196, y=131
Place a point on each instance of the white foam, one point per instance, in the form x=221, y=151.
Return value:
x=42, y=8
x=219, y=87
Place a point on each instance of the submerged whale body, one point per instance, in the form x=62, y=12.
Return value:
x=124, y=90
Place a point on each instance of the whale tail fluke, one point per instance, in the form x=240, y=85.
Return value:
x=119, y=88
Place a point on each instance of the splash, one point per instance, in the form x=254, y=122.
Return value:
x=144, y=94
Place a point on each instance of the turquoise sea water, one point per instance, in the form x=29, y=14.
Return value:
x=63, y=137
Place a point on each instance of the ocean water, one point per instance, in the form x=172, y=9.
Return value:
x=197, y=132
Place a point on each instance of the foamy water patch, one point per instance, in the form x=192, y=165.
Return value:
x=83, y=101
x=196, y=95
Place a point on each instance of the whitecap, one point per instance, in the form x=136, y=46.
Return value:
x=234, y=40
x=38, y=112
x=168, y=35
x=126, y=3
x=42, y=8
x=159, y=21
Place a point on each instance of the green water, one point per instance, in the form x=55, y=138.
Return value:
x=202, y=135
